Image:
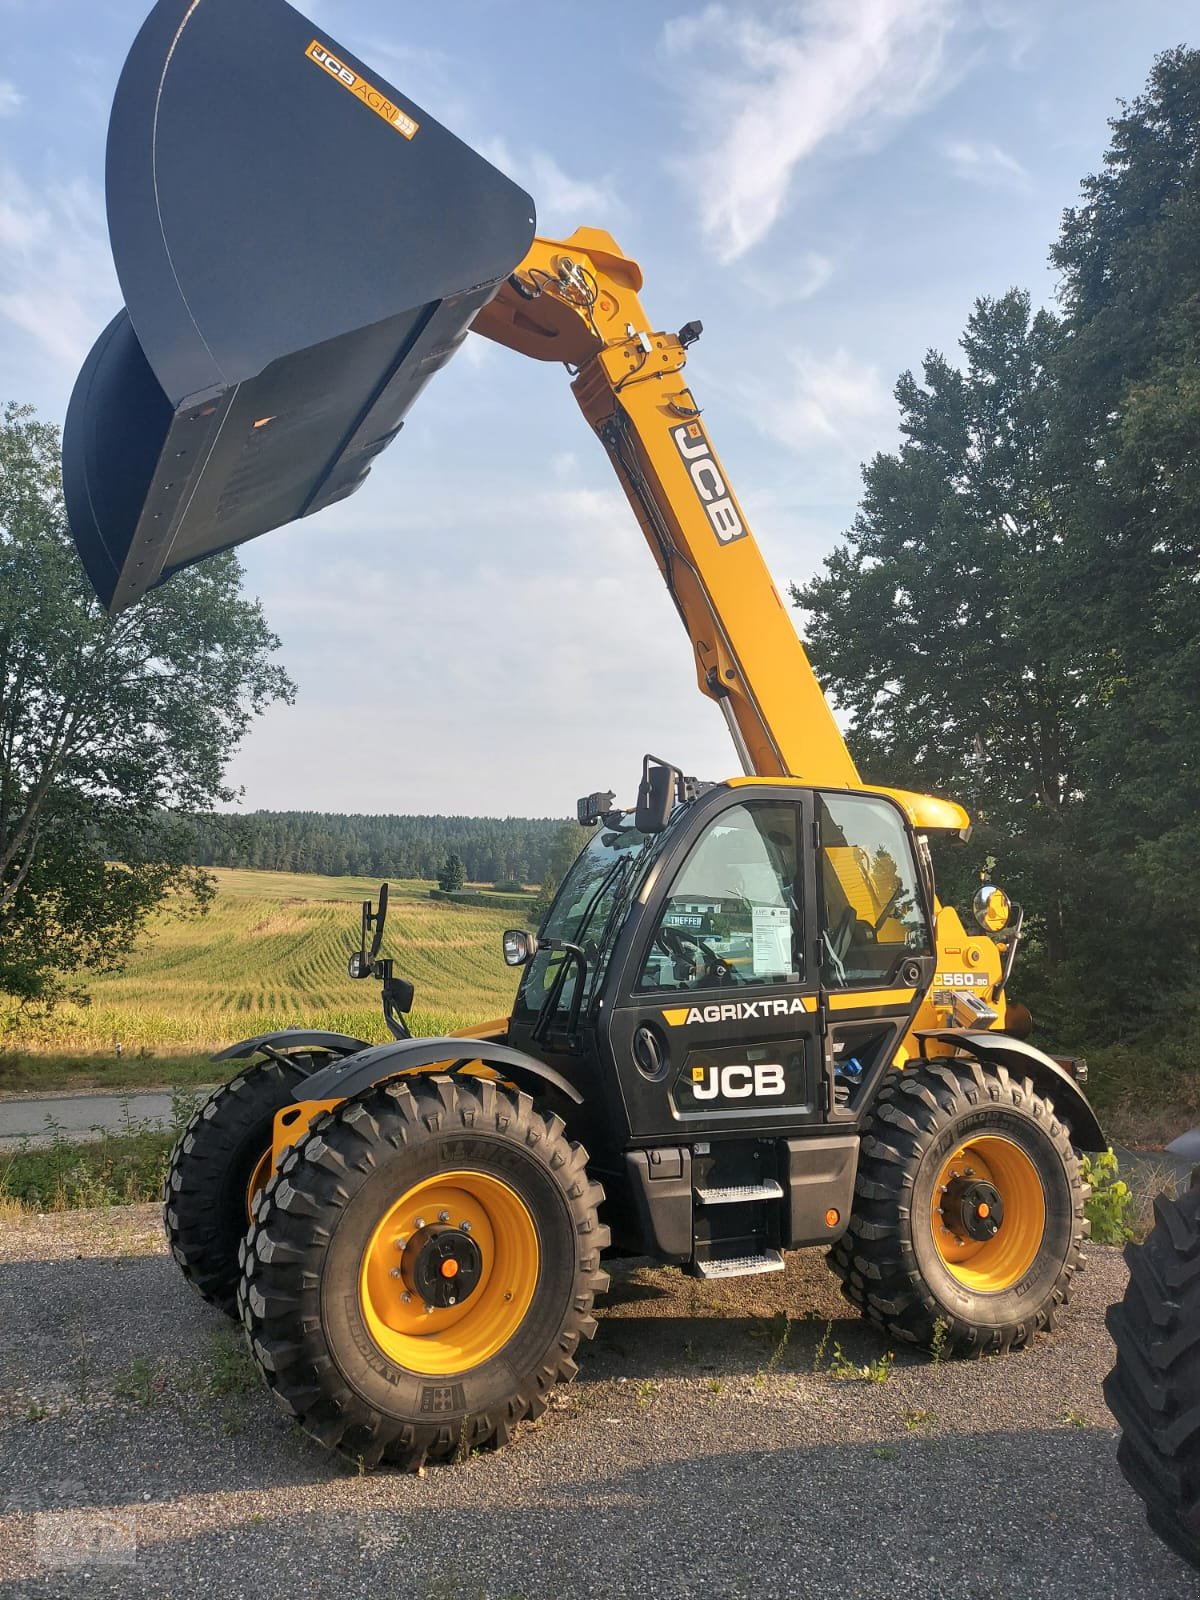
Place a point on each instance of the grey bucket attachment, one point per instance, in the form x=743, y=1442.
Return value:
x=300, y=247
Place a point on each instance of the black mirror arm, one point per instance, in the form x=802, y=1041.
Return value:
x=1010, y=953
x=574, y=955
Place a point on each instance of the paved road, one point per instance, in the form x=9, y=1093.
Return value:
x=33, y=1120
x=697, y=1455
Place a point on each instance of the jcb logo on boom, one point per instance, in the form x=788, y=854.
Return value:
x=738, y=1082
x=693, y=446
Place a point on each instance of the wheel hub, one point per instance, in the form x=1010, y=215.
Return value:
x=972, y=1208
x=442, y=1264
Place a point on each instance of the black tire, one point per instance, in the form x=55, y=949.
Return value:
x=1154, y=1388
x=204, y=1195
x=302, y=1298
x=889, y=1261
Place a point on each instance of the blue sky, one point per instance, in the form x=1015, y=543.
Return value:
x=827, y=184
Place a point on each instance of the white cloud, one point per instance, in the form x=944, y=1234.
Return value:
x=59, y=287
x=803, y=276
x=11, y=98
x=834, y=400
x=985, y=164
x=563, y=202
x=538, y=602
x=766, y=91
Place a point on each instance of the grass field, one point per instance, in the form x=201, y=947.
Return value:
x=271, y=953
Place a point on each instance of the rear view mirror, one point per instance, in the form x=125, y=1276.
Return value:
x=519, y=947
x=300, y=248
x=656, y=797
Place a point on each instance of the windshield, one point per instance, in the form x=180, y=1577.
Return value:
x=600, y=883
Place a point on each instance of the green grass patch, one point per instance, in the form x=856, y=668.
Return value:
x=118, y=1170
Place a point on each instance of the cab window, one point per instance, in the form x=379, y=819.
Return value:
x=871, y=908
x=732, y=915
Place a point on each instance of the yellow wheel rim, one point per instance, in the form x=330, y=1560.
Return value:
x=990, y=1265
x=259, y=1179
x=450, y=1339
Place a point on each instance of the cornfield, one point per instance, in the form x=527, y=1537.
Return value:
x=271, y=953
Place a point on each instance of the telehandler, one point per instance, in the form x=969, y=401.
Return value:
x=746, y=1025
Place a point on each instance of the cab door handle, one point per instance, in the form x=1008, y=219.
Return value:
x=649, y=1054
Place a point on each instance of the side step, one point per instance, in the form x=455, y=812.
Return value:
x=732, y=1193
x=740, y=1266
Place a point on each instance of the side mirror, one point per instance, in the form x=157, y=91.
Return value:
x=656, y=798
x=991, y=908
x=519, y=947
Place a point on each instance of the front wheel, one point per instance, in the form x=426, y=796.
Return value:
x=968, y=1218
x=422, y=1268
x=1154, y=1388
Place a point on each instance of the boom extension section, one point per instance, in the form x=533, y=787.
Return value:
x=577, y=301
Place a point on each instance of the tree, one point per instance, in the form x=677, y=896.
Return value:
x=940, y=624
x=453, y=875
x=569, y=839
x=1014, y=616
x=1129, y=255
x=111, y=730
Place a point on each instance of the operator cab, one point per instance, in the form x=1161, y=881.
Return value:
x=756, y=919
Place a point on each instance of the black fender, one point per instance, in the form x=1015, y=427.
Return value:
x=341, y=1080
x=338, y=1044
x=1024, y=1061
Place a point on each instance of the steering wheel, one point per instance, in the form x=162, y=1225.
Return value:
x=675, y=943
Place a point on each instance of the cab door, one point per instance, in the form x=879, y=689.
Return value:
x=715, y=1023
x=875, y=926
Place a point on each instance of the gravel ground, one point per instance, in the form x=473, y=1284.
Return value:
x=699, y=1453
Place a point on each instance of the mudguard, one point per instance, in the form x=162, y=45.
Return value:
x=341, y=1080
x=1048, y=1077
x=339, y=1044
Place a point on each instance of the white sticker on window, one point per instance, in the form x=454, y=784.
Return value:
x=772, y=941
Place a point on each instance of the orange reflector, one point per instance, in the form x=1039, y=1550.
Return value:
x=450, y=1268
x=832, y=1218
x=983, y=1209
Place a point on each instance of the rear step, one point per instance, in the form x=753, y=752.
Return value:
x=740, y=1266
x=731, y=1193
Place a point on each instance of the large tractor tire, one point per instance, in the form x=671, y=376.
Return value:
x=421, y=1269
x=968, y=1218
x=219, y=1165
x=1154, y=1388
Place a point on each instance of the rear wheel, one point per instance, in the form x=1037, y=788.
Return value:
x=421, y=1269
x=968, y=1215
x=219, y=1165
x=1154, y=1388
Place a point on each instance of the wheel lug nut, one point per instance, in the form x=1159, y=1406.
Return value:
x=443, y=1216
x=406, y=1297
x=395, y=1272
x=420, y=1222
x=465, y=1227
x=400, y=1243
